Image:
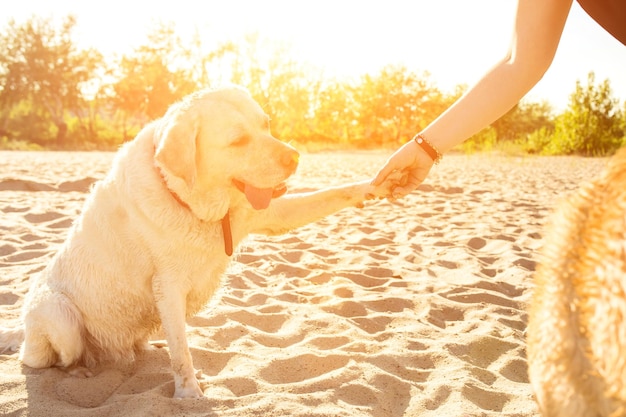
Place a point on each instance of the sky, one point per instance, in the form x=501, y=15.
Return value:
x=455, y=41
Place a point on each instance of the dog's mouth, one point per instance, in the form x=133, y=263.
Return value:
x=260, y=198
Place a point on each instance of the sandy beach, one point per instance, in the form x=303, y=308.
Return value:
x=413, y=308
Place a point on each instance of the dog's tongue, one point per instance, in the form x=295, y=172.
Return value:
x=259, y=197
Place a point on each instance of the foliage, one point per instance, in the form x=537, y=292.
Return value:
x=281, y=85
x=394, y=105
x=18, y=145
x=336, y=114
x=538, y=141
x=58, y=96
x=483, y=141
x=41, y=65
x=523, y=119
x=591, y=125
x=515, y=126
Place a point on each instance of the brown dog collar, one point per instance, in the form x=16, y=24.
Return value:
x=226, y=231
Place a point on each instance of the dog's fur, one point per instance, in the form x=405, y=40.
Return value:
x=148, y=249
x=577, y=321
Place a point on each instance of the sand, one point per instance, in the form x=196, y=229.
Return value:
x=415, y=308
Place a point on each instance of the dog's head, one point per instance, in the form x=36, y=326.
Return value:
x=216, y=144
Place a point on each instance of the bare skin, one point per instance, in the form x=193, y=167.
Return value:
x=536, y=35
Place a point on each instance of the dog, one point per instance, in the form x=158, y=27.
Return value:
x=156, y=234
x=577, y=318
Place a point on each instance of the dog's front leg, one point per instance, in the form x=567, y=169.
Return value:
x=296, y=210
x=171, y=303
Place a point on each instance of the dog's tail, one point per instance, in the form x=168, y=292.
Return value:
x=11, y=339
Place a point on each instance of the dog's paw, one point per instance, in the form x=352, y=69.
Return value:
x=189, y=387
x=79, y=371
x=385, y=189
x=192, y=390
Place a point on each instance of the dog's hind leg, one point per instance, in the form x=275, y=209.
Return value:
x=37, y=351
x=53, y=334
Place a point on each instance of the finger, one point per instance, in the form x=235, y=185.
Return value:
x=404, y=189
x=400, y=193
x=382, y=174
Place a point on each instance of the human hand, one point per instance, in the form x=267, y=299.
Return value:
x=412, y=162
x=385, y=188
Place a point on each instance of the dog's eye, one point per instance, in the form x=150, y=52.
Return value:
x=242, y=140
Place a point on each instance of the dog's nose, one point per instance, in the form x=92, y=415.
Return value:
x=290, y=159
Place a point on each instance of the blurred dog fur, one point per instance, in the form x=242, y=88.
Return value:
x=577, y=319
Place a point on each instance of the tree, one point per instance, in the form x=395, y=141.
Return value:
x=40, y=64
x=394, y=105
x=591, y=125
x=523, y=119
x=282, y=86
x=289, y=100
x=153, y=77
x=336, y=114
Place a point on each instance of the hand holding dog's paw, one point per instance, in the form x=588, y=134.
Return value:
x=386, y=188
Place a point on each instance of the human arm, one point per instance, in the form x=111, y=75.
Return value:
x=537, y=31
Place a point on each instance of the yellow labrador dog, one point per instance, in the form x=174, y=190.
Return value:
x=577, y=321
x=156, y=235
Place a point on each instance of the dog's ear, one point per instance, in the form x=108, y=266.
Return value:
x=176, y=145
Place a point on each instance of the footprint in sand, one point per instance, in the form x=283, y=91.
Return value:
x=269, y=323
x=241, y=387
x=329, y=343
x=26, y=255
x=483, y=375
x=347, y=309
x=8, y=298
x=82, y=186
x=472, y=295
x=7, y=250
x=43, y=217
x=91, y=392
x=477, y=243
x=10, y=184
x=29, y=237
x=527, y=264
x=389, y=305
x=500, y=287
x=367, y=281
x=11, y=209
x=440, y=315
x=435, y=399
x=447, y=264
x=357, y=394
x=516, y=370
x=410, y=368
x=489, y=272
x=301, y=368
x=278, y=341
x=393, y=400
x=211, y=362
x=482, y=351
x=62, y=224
x=372, y=324
x=228, y=333
x=343, y=292
x=484, y=398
